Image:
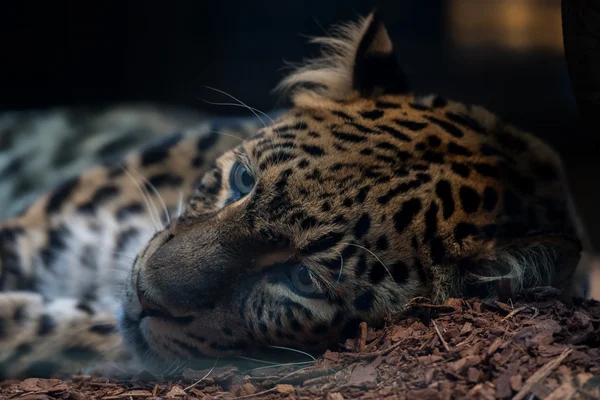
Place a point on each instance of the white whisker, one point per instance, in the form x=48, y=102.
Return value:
x=341, y=265
x=175, y=361
x=259, y=361
x=229, y=135
x=239, y=101
x=160, y=199
x=180, y=204
x=204, y=377
x=373, y=254
x=151, y=209
x=276, y=365
x=293, y=350
x=240, y=105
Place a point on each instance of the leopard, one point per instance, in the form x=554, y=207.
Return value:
x=230, y=238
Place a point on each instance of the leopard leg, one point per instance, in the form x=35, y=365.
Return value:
x=63, y=262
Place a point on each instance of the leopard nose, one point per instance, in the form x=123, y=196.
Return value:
x=149, y=307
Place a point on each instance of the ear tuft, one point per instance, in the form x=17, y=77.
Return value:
x=358, y=57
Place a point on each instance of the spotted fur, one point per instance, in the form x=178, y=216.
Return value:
x=360, y=198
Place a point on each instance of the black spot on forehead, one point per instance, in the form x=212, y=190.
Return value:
x=316, y=151
x=349, y=137
x=443, y=190
x=455, y=148
x=289, y=136
x=275, y=158
x=342, y=115
x=410, y=125
x=298, y=126
x=395, y=133
x=408, y=210
x=461, y=169
x=401, y=188
x=387, y=104
x=362, y=128
x=373, y=114
x=446, y=126
x=386, y=159
x=433, y=157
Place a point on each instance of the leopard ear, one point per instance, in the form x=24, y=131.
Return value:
x=376, y=68
x=358, y=58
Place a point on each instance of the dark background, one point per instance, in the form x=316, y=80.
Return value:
x=74, y=53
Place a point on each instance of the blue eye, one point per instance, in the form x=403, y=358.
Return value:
x=240, y=180
x=303, y=283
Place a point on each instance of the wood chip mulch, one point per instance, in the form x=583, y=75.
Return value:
x=461, y=350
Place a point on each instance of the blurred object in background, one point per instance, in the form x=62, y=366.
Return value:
x=518, y=25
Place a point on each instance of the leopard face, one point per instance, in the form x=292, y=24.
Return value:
x=359, y=199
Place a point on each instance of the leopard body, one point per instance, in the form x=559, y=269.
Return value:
x=228, y=237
